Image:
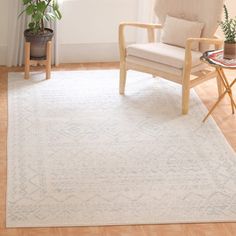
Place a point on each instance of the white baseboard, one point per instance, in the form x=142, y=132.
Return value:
x=79, y=53
x=3, y=54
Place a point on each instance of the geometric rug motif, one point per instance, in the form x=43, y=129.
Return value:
x=79, y=154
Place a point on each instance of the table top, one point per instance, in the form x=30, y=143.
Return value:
x=216, y=58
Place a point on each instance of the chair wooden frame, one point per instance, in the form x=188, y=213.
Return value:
x=185, y=80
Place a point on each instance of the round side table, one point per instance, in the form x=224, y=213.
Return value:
x=216, y=59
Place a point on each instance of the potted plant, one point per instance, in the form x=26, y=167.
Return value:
x=228, y=26
x=40, y=11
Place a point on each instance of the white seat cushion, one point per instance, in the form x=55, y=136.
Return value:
x=163, y=53
x=161, y=67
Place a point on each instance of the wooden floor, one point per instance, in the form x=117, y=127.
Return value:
x=225, y=120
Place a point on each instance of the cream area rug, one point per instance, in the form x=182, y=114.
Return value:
x=79, y=154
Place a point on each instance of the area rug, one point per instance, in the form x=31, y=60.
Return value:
x=79, y=154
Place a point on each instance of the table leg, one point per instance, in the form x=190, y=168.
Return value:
x=227, y=90
x=213, y=108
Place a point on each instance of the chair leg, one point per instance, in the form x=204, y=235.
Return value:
x=220, y=86
x=123, y=74
x=185, y=99
x=186, y=82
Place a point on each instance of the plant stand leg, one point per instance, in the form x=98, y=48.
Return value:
x=49, y=60
x=27, y=60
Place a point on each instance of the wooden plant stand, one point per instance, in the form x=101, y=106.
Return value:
x=30, y=61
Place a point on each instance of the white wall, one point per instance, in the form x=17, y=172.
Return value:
x=231, y=5
x=3, y=30
x=89, y=29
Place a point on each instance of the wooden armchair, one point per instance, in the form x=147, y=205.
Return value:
x=179, y=64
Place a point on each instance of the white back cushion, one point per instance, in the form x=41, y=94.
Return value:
x=208, y=12
x=176, y=31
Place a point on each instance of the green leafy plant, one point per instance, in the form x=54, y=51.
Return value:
x=41, y=11
x=228, y=26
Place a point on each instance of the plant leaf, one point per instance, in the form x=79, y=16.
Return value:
x=25, y=2
x=30, y=9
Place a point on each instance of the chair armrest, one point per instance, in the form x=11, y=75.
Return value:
x=213, y=41
x=122, y=42
x=188, y=49
x=141, y=25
